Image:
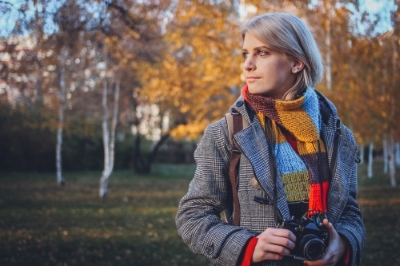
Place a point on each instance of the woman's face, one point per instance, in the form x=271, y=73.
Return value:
x=267, y=72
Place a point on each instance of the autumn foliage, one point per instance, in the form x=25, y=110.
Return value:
x=178, y=63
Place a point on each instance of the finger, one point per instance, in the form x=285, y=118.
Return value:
x=283, y=233
x=330, y=227
x=272, y=256
x=277, y=232
x=277, y=241
x=260, y=255
x=314, y=263
x=277, y=249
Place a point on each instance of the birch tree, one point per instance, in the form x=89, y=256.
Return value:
x=385, y=155
x=361, y=149
x=108, y=129
x=328, y=33
x=392, y=164
x=370, y=159
x=397, y=154
x=61, y=110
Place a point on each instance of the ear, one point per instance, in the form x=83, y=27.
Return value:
x=296, y=65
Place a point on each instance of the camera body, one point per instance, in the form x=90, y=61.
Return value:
x=311, y=237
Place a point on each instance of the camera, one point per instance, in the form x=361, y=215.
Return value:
x=311, y=237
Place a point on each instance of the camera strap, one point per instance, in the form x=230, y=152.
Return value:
x=271, y=137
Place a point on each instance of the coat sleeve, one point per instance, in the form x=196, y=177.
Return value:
x=350, y=224
x=198, y=218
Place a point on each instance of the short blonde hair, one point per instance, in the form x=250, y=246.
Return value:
x=288, y=34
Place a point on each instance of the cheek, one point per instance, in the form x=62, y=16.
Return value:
x=283, y=69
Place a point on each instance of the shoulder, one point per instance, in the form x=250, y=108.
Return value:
x=330, y=118
x=220, y=127
x=217, y=129
x=327, y=108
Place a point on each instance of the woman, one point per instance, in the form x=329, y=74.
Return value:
x=287, y=170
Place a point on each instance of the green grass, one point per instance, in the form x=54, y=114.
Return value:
x=380, y=205
x=44, y=224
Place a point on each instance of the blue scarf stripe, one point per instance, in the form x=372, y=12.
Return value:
x=287, y=159
x=311, y=106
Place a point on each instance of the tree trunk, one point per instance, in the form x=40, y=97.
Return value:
x=370, y=159
x=328, y=57
x=385, y=155
x=60, y=179
x=114, y=122
x=143, y=165
x=397, y=154
x=39, y=38
x=108, y=138
x=362, y=149
x=392, y=166
x=61, y=109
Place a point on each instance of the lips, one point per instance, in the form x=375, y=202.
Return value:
x=252, y=79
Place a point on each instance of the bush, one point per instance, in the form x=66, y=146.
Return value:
x=28, y=143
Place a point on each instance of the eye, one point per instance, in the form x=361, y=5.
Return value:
x=245, y=54
x=262, y=53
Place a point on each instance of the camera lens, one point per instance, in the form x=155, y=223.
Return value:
x=313, y=247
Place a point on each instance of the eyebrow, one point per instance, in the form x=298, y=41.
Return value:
x=258, y=48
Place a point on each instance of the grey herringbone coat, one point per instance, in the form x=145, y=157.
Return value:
x=198, y=218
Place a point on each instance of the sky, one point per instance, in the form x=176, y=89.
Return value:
x=377, y=7
x=9, y=14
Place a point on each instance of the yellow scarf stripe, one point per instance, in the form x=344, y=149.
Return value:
x=299, y=123
x=305, y=148
x=297, y=186
x=279, y=137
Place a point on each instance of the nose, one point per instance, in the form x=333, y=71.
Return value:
x=249, y=64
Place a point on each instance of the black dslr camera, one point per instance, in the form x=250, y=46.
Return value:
x=311, y=237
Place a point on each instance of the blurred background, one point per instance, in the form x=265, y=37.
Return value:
x=102, y=104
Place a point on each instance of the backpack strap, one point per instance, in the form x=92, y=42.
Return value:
x=235, y=123
x=339, y=132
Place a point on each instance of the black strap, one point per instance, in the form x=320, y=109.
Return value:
x=233, y=167
x=271, y=137
x=338, y=132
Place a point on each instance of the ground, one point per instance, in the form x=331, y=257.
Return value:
x=42, y=223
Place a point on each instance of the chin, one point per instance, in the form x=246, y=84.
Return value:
x=258, y=91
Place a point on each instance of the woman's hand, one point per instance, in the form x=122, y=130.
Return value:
x=273, y=243
x=335, y=250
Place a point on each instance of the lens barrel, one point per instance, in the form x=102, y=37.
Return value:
x=312, y=247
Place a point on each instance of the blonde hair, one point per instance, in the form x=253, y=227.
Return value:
x=287, y=34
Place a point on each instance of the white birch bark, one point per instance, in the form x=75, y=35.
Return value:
x=362, y=153
x=385, y=155
x=392, y=166
x=397, y=154
x=114, y=122
x=108, y=138
x=370, y=159
x=328, y=56
x=61, y=109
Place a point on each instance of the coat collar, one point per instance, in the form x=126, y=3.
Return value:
x=254, y=145
x=245, y=110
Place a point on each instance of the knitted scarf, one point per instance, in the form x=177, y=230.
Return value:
x=305, y=174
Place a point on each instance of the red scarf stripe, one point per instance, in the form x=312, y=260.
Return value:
x=268, y=105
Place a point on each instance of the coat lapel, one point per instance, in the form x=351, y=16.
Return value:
x=254, y=145
x=338, y=188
